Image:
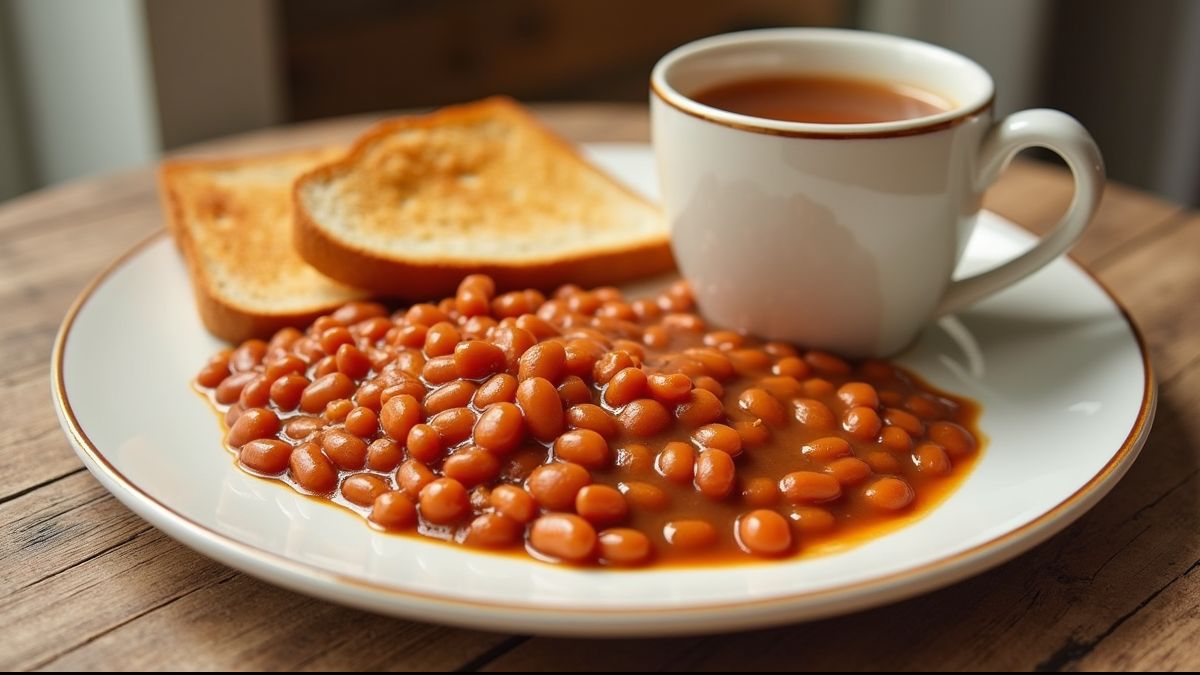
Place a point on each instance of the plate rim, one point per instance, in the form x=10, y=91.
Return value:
x=696, y=617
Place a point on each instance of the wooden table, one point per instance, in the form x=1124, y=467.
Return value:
x=89, y=585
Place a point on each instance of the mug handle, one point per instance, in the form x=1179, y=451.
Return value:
x=1061, y=133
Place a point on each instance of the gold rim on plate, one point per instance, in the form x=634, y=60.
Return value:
x=926, y=577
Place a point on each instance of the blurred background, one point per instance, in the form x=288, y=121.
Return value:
x=89, y=86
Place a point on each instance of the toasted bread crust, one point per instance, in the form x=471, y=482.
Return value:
x=359, y=266
x=222, y=317
x=425, y=281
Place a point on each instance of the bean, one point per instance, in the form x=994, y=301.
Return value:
x=624, y=546
x=563, y=536
x=554, y=486
x=644, y=417
x=814, y=414
x=231, y=387
x=213, y=373
x=543, y=409
x=642, y=495
x=284, y=339
x=499, y=388
x=399, y=414
x=593, y=417
x=337, y=410
x=546, y=360
x=889, y=494
x=957, y=441
x=352, y=362
x=440, y=370
x=858, y=394
x=514, y=342
x=882, y=462
x=301, y=427
x=269, y=456
x=782, y=387
x=454, y=425
x=537, y=326
x=760, y=492
x=749, y=361
x=690, y=535
x=500, y=429
x=456, y=394
x=905, y=420
x=676, y=462
x=441, y=339
x=286, y=391
x=701, y=408
x=311, y=469
x=753, y=433
x=827, y=449
x=932, y=459
x=412, y=476
x=601, y=504
x=827, y=364
x=862, y=423
x=574, y=391
x=715, y=363
x=325, y=389
x=584, y=447
x=256, y=393
x=393, y=511
x=425, y=313
x=812, y=520
x=718, y=437
x=513, y=502
x=476, y=359
x=248, y=355
x=444, y=501
x=764, y=532
x=493, y=530
x=362, y=422
x=384, y=454
x=471, y=466
x=924, y=406
x=253, y=424
x=895, y=439
x=669, y=388
x=635, y=458
x=709, y=384
x=610, y=364
x=818, y=388
x=627, y=385
x=347, y=451
x=849, y=470
x=809, y=487
x=363, y=488
x=760, y=403
x=715, y=474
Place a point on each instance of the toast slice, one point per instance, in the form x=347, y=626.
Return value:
x=232, y=219
x=420, y=202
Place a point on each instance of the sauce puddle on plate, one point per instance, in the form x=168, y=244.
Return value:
x=588, y=429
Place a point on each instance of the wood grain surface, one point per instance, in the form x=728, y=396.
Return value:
x=89, y=585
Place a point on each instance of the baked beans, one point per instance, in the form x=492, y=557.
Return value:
x=588, y=429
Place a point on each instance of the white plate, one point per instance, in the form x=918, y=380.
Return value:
x=1061, y=374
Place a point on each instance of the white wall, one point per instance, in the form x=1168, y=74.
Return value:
x=216, y=67
x=90, y=86
x=14, y=173
x=87, y=99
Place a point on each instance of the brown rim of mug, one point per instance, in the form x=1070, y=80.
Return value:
x=831, y=135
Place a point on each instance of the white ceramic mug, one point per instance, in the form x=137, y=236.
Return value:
x=844, y=236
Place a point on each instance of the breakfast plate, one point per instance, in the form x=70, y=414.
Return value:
x=1060, y=372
